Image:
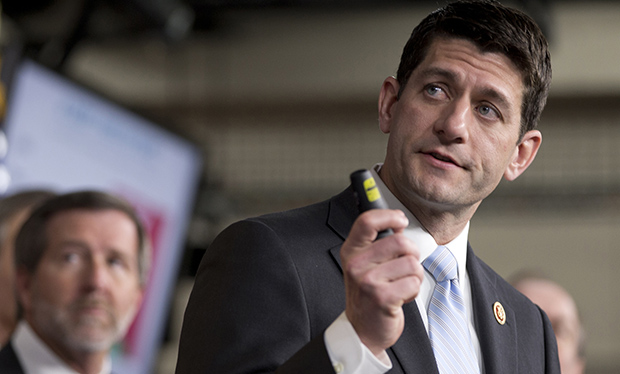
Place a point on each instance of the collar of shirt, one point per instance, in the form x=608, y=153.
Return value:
x=36, y=357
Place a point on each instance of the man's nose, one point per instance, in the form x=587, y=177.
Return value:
x=453, y=125
x=97, y=275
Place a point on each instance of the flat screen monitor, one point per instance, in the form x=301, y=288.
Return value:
x=63, y=136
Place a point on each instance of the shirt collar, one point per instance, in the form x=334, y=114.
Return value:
x=36, y=357
x=423, y=239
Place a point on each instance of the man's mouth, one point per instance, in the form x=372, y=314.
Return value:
x=442, y=157
x=92, y=307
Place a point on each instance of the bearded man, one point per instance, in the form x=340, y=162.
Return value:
x=81, y=261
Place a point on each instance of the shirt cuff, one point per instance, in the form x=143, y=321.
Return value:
x=347, y=352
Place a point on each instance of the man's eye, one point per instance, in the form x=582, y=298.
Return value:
x=117, y=262
x=433, y=90
x=70, y=258
x=488, y=111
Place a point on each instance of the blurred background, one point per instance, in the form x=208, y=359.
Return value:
x=279, y=101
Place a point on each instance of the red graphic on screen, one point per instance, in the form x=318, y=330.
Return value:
x=153, y=221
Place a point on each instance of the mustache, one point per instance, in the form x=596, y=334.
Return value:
x=87, y=302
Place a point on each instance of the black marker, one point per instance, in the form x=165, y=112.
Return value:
x=368, y=196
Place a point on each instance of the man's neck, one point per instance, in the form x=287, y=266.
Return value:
x=444, y=224
x=36, y=352
x=84, y=362
x=88, y=363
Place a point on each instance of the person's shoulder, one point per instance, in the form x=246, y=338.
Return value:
x=295, y=223
x=305, y=218
x=294, y=214
x=292, y=229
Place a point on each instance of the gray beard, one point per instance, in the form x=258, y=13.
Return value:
x=57, y=325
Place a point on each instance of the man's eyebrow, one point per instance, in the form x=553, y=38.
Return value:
x=72, y=243
x=496, y=97
x=437, y=71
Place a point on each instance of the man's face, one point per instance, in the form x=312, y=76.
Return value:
x=455, y=128
x=86, y=290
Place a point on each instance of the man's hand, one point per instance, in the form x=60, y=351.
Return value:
x=380, y=276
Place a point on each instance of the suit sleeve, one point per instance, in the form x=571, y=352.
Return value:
x=247, y=312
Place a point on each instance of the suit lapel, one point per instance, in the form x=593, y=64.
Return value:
x=342, y=213
x=413, y=350
x=498, y=342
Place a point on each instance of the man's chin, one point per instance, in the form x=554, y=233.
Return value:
x=94, y=330
x=91, y=339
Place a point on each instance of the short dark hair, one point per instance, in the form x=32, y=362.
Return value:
x=15, y=203
x=31, y=240
x=493, y=28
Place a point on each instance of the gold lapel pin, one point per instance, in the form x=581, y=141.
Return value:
x=499, y=312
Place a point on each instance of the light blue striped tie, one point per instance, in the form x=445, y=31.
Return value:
x=447, y=324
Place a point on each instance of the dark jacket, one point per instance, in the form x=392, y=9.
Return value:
x=9, y=364
x=268, y=287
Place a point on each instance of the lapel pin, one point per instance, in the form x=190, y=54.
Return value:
x=499, y=312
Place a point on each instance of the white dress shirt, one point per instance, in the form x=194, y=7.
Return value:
x=37, y=358
x=346, y=351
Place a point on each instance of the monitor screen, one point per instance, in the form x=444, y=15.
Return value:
x=63, y=136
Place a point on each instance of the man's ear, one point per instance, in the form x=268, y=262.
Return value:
x=387, y=98
x=524, y=154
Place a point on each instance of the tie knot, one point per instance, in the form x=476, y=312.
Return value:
x=442, y=264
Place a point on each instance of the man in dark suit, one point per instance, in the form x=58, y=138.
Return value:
x=81, y=261
x=312, y=290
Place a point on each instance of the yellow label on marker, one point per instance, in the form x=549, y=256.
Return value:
x=372, y=192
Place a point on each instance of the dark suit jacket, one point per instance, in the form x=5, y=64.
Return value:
x=9, y=363
x=268, y=287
